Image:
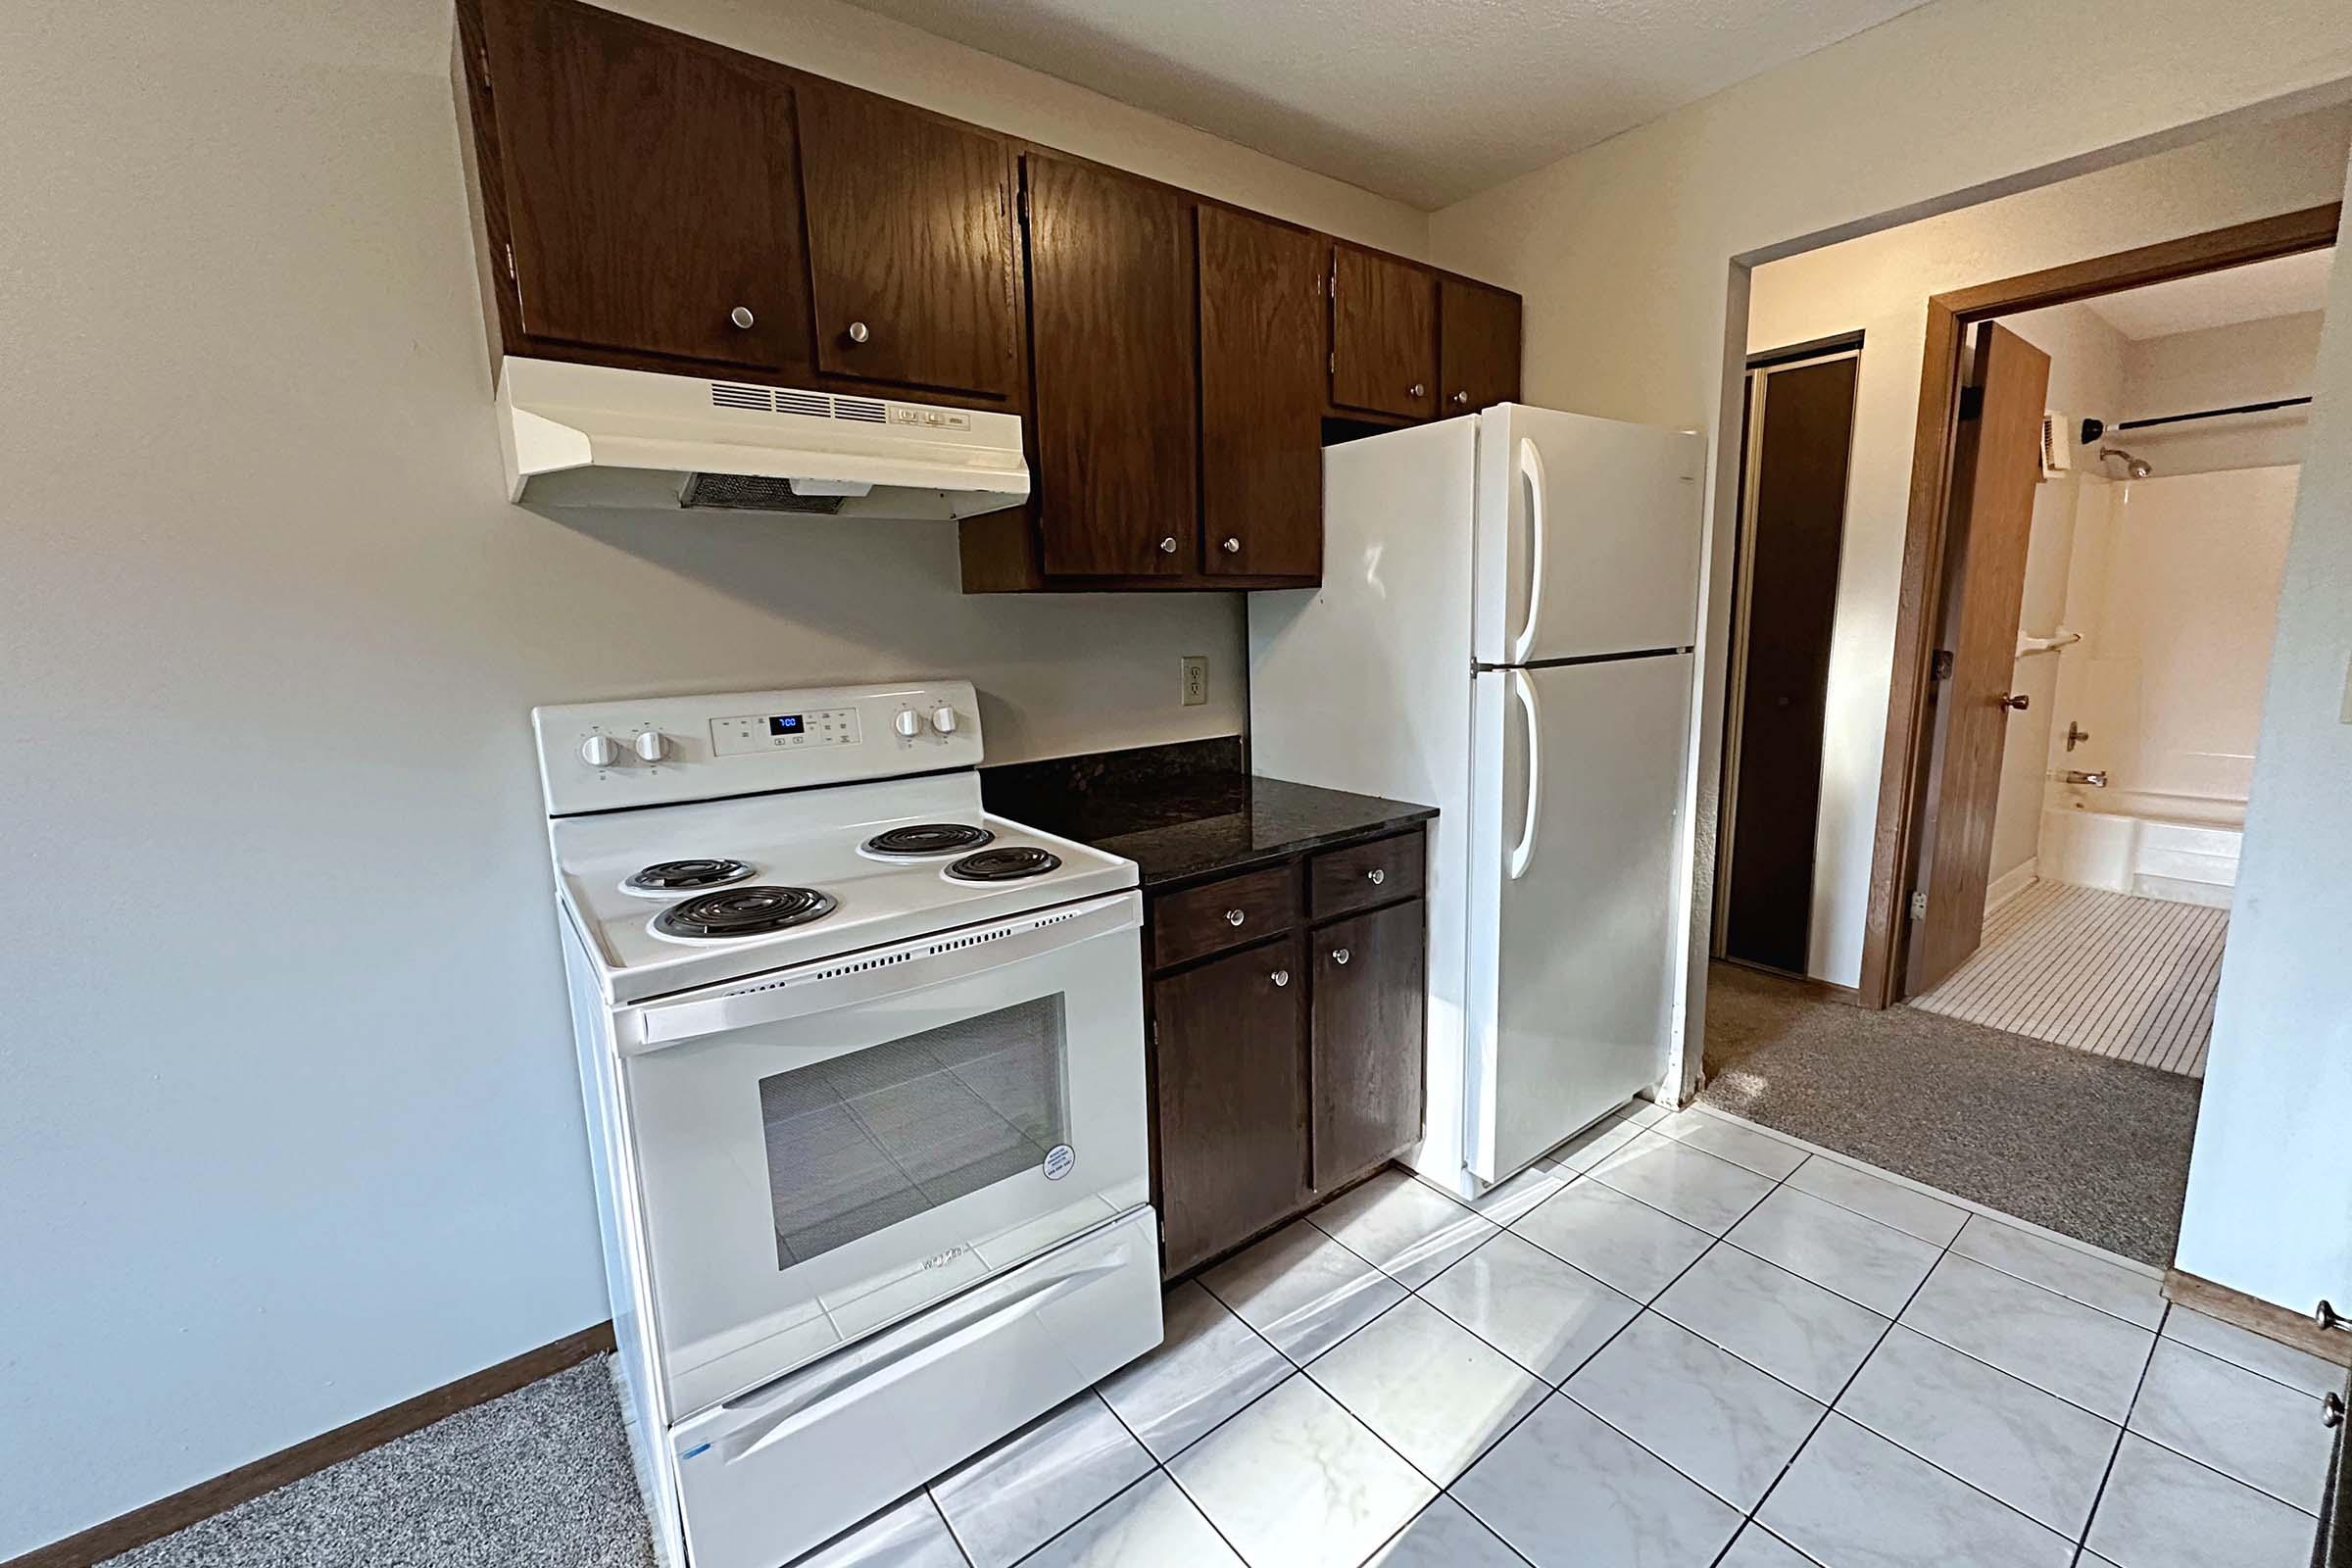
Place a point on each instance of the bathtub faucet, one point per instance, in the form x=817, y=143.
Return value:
x=2097, y=780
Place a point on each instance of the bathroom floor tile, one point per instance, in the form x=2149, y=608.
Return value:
x=2163, y=1511
x=1931, y=1219
x=2240, y=1423
x=1153, y=1524
x=2078, y=1275
x=1302, y=1290
x=2280, y=1363
x=1567, y=1489
x=1445, y=1535
x=1710, y=1415
x=1296, y=1481
x=1429, y=1387
x=1803, y=1334
x=1617, y=1240
x=1858, y=1257
x=1209, y=1365
x=1040, y=1481
x=1690, y=1184
x=1535, y=1309
x=1402, y=1226
x=2077, y=1352
x=1736, y=1142
x=1855, y=1501
x=2033, y=1451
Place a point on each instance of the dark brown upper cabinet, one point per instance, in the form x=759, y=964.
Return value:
x=1262, y=391
x=1110, y=325
x=648, y=185
x=1478, y=347
x=911, y=252
x=1384, y=335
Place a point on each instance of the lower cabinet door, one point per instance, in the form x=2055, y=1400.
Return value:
x=1369, y=981
x=1231, y=1101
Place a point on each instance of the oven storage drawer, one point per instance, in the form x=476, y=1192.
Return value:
x=766, y=1475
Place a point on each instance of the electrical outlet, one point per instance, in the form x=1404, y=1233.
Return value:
x=1195, y=680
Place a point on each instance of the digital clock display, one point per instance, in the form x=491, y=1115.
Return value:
x=785, y=724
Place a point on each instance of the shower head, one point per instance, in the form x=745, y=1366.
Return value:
x=2136, y=468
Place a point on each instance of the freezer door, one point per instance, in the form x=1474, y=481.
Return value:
x=1588, y=536
x=1571, y=932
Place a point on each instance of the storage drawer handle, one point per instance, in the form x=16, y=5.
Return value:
x=1338, y=956
x=1235, y=917
x=742, y=316
x=1282, y=977
x=1376, y=876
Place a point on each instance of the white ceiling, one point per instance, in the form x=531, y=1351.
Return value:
x=1427, y=101
x=2287, y=287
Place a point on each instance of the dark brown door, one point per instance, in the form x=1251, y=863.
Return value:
x=909, y=244
x=1232, y=1099
x=1369, y=976
x=1261, y=396
x=1384, y=335
x=1790, y=594
x=1997, y=463
x=1110, y=321
x=1478, y=347
x=649, y=186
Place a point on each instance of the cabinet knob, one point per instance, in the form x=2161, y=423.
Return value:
x=1167, y=546
x=1461, y=397
x=1235, y=917
x=1376, y=876
x=1282, y=977
x=1415, y=390
x=742, y=316
x=1338, y=956
x=1232, y=546
x=859, y=332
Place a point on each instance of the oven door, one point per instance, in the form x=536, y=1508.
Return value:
x=822, y=1152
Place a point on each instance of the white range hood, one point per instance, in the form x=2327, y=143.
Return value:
x=587, y=435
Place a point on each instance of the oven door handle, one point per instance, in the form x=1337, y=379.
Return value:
x=799, y=1401
x=871, y=974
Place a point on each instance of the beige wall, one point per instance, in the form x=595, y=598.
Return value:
x=2219, y=368
x=288, y=1127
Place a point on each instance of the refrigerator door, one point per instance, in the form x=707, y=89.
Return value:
x=1576, y=798
x=1588, y=536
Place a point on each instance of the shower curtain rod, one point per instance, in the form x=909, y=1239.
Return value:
x=2208, y=414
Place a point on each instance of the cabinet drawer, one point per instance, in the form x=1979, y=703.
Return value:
x=1356, y=876
x=1221, y=914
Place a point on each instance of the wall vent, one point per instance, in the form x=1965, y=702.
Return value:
x=809, y=405
x=727, y=395
x=867, y=410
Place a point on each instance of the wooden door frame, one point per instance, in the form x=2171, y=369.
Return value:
x=1919, y=611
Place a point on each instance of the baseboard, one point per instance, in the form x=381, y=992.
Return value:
x=206, y=1499
x=2258, y=1316
x=2009, y=884
x=1826, y=989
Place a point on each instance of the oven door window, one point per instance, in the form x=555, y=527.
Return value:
x=860, y=1141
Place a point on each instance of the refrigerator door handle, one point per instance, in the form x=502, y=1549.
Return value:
x=1531, y=473
x=1523, y=852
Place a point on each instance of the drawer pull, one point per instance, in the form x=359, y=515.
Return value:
x=742, y=316
x=1282, y=977
x=1338, y=956
x=1376, y=876
x=1235, y=917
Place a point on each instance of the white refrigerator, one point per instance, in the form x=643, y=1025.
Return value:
x=1504, y=631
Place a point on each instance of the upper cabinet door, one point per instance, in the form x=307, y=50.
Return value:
x=1479, y=347
x=649, y=185
x=1110, y=325
x=1384, y=335
x=1261, y=396
x=909, y=244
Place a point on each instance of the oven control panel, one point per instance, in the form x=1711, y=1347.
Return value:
x=654, y=751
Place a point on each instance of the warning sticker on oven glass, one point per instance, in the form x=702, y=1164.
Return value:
x=1058, y=1160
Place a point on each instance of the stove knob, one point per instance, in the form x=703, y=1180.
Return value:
x=909, y=723
x=943, y=719
x=600, y=751
x=650, y=744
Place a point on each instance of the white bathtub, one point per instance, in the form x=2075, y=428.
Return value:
x=2156, y=845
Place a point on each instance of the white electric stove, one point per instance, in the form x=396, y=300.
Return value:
x=864, y=1075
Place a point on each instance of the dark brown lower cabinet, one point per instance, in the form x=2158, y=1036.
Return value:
x=1287, y=1039
x=1368, y=989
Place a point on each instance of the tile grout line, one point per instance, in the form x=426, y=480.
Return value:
x=2124, y=1430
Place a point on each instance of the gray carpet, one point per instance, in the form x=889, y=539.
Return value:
x=2090, y=1147
x=539, y=1478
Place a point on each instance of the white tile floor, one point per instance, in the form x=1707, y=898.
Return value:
x=1682, y=1342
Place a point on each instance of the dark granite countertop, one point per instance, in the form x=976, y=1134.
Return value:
x=1186, y=810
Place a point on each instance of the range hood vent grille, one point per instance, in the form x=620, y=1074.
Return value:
x=785, y=399
x=738, y=492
